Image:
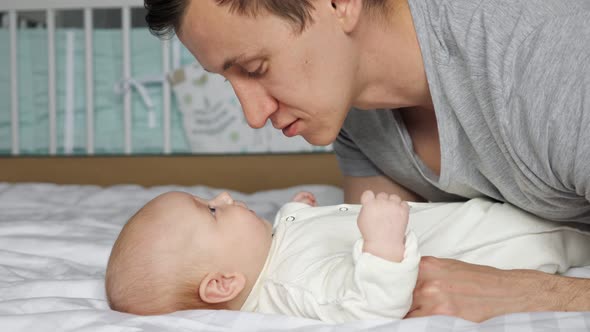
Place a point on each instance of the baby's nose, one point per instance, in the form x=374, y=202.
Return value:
x=240, y=203
x=223, y=198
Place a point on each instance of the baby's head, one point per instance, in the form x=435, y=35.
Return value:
x=181, y=252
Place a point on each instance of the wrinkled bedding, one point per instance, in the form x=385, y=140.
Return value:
x=54, y=246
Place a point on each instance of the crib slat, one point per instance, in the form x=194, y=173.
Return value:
x=166, y=92
x=69, y=129
x=175, y=53
x=126, y=13
x=14, y=82
x=52, y=80
x=88, y=28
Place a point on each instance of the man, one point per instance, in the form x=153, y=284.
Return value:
x=473, y=98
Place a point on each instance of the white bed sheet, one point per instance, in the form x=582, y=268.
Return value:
x=54, y=245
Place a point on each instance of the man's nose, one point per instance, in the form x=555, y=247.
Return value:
x=257, y=104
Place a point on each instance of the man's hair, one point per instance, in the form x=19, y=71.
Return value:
x=164, y=17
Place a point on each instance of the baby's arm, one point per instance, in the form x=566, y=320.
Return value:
x=383, y=221
x=348, y=288
x=376, y=281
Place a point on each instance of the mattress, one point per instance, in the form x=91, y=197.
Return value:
x=55, y=241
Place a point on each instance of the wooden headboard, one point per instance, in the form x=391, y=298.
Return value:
x=246, y=173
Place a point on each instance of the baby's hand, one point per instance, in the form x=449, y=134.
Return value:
x=383, y=221
x=305, y=197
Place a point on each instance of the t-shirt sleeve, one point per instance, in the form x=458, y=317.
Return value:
x=547, y=120
x=366, y=287
x=352, y=161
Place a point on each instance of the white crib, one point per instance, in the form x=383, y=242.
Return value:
x=14, y=7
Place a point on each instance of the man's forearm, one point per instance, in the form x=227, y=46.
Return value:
x=559, y=293
x=575, y=293
x=477, y=292
x=550, y=292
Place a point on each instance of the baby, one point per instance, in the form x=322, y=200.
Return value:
x=334, y=263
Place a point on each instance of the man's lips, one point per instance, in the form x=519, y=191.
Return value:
x=291, y=129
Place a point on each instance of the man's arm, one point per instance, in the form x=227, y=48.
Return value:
x=354, y=186
x=477, y=293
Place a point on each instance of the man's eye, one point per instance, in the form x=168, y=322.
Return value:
x=212, y=210
x=254, y=74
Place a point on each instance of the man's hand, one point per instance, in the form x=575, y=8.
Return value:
x=305, y=197
x=477, y=293
x=383, y=221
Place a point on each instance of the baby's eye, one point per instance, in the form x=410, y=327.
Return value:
x=212, y=210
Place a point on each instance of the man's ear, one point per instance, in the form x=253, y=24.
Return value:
x=218, y=287
x=348, y=13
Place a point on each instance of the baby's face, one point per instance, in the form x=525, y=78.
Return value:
x=229, y=231
x=178, y=237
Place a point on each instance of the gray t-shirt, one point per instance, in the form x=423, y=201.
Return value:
x=510, y=83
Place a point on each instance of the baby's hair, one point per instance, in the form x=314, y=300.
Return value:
x=142, y=286
x=146, y=294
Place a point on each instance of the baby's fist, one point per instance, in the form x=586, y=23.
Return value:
x=383, y=221
x=305, y=197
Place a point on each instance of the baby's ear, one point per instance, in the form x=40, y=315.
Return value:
x=218, y=287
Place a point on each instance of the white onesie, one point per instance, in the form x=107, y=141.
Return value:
x=316, y=267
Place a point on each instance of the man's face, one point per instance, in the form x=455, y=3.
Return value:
x=302, y=82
